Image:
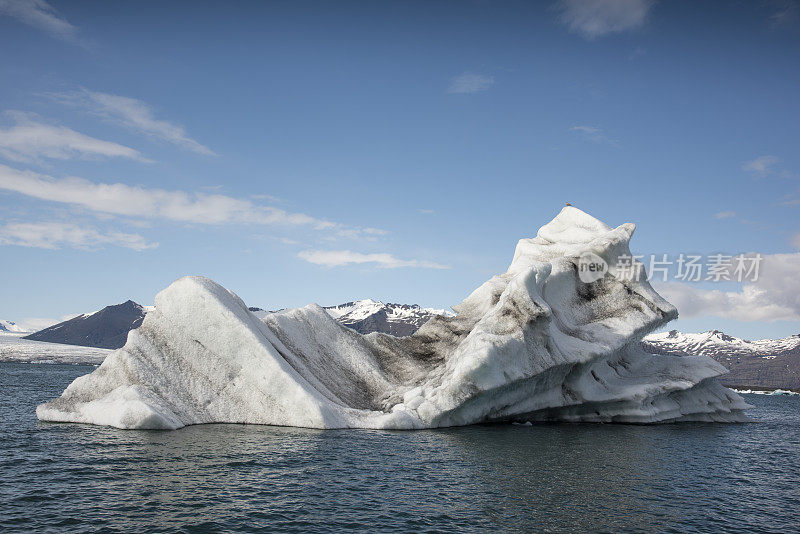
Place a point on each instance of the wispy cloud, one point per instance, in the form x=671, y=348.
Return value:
x=54, y=235
x=796, y=241
x=338, y=258
x=762, y=166
x=595, y=18
x=135, y=115
x=594, y=134
x=426, y=211
x=40, y=15
x=135, y=201
x=725, y=214
x=637, y=53
x=785, y=13
x=31, y=140
x=151, y=203
x=469, y=83
x=773, y=297
x=286, y=241
x=369, y=234
x=34, y=324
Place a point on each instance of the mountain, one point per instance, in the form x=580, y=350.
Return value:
x=367, y=316
x=760, y=364
x=8, y=326
x=106, y=329
x=109, y=327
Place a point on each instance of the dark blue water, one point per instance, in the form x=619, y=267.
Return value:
x=669, y=478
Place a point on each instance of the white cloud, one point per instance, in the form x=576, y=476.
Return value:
x=134, y=115
x=338, y=258
x=34, y=324
x=55, y=235
x=370, y=234
x=637, y=53
x=134, y=201
x=761, y=166
x=796, y=241
x=469, y=83
x=30, y=140
x=426, y=211
x=595, y=18
x=786, y=13
x=725, y=214
x=594, y=134
x=589, y=130
x=775, y=296
x=41, y=15
x=106, y=199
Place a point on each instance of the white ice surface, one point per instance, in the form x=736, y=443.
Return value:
x=532, y=344
x=15, y=349
x=779, y=392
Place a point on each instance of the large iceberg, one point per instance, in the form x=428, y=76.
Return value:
x=536, y=343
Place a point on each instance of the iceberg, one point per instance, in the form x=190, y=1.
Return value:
x=536, y=343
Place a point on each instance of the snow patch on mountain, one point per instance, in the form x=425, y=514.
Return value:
x=762, y=363
x=367, y=316
x=715, y=342
x=9, y=326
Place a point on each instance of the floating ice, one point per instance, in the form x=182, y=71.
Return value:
x=532, y=344
x=778, y=392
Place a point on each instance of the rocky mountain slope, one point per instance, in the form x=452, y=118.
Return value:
x=367, y=316
x=107, y=328
x=764, y=363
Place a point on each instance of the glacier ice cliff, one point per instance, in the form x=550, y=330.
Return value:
x=532, y=344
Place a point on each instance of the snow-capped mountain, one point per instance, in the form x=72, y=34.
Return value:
x=107, y=328
x=9, y=326
x=367, y=316
x=763, y=363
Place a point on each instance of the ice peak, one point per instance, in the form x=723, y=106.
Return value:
x=571, y=218
x=571, y=233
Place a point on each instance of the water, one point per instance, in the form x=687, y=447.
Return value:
x=669, y=478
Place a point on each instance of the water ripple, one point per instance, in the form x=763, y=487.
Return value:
x=600, y=478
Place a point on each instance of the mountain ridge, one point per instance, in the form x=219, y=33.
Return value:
x=762, y=363
x=107, y=328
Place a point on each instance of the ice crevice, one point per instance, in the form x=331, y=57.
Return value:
x=532, y=344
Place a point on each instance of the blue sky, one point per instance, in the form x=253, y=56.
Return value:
x=302, y=152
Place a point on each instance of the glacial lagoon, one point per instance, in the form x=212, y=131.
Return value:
x=556, y=477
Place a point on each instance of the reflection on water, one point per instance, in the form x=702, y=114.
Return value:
x=545, y=477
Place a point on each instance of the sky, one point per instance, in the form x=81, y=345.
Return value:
x=300, y=152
